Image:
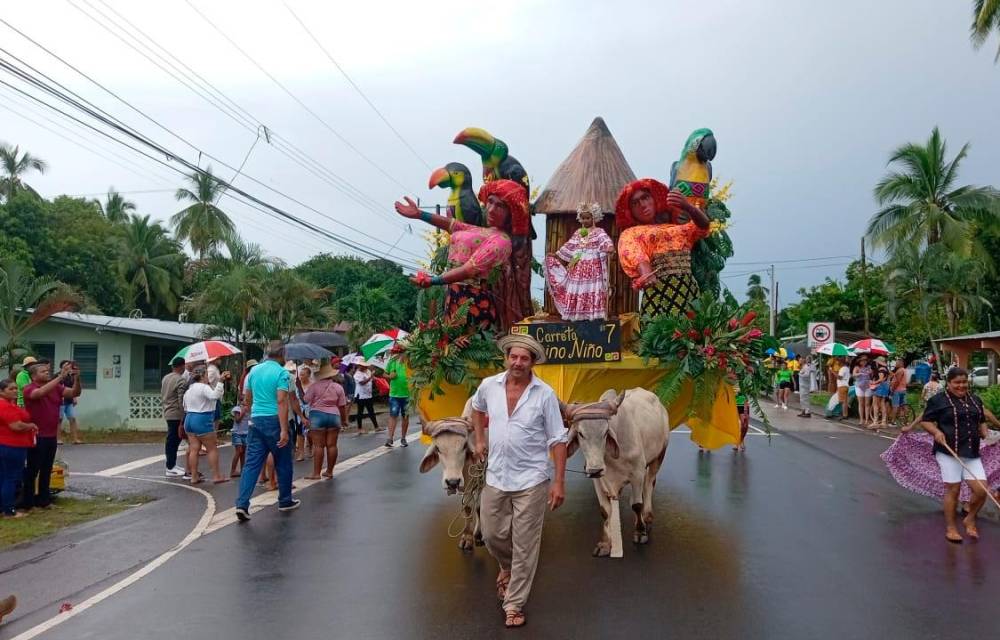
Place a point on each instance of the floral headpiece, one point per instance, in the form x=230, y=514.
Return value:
x=592, y=208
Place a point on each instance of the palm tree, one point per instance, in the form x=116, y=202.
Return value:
x=756, y=292
x=202, y=224
x=26, y=301
x=15, y=166
x=231, y=303
x=152, y=264
x=116, y=208
x=920, y=203
x=985, y=21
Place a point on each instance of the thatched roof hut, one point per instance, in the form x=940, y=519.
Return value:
x=595, y=171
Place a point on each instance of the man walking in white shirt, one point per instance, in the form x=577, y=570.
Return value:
x=525, y=426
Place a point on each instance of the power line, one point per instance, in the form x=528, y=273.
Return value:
x=355, y=86
x=110, y=120
x=249, y=199
x=294, y=97
x=242, y=117
x=813, y=259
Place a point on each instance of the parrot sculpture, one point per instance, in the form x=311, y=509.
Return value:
x=463, y=205
x=692, y=174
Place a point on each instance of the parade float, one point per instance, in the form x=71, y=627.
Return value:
x=648, y=314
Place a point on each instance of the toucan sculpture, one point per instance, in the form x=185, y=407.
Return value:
x=497, y=162
x=463, y=205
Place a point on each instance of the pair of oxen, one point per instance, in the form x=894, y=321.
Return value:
x=623, y=438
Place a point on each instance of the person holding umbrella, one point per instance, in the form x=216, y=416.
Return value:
x=363, y=393
x=199, y=422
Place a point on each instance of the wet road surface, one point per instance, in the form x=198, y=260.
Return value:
x=805, y=536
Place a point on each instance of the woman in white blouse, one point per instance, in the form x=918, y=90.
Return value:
x=199, y=408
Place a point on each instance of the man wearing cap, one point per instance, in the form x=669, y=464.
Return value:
x=266, y=398
x=525, y=427
x=23, y=378
x=172, y=389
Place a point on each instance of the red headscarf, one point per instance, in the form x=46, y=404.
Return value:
x=623, y=211
x=516, y=199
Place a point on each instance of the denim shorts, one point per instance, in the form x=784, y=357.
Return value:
x=67, y=411
x=199, y=424
x=397, y=406
x=239, y=439
x=898, y=398
x=320, y=420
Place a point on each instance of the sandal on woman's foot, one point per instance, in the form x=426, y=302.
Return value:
x=953, y=536
x=514, y=619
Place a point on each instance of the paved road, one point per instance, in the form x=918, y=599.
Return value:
x=803, y=537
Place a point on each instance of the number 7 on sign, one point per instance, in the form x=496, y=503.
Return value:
x=611, y=330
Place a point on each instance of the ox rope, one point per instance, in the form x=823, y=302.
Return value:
x=471, y=497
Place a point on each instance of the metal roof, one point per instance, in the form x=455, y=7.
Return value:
x=989, y=335
x=150, y=327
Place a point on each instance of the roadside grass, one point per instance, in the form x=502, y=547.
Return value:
x=64, y=512
x=116, y=436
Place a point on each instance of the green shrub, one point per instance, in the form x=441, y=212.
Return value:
x=991, y=399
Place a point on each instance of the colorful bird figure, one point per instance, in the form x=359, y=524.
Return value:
x=463, y=205
x=692, y=174
x=497, y=162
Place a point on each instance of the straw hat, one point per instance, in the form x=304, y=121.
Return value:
x=290, y=366
x=28, y=360
x=251, y=363
x=510, y=341
x=361, y=362
x=326, y=371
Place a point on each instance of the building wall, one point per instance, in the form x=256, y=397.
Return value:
x=107, y=405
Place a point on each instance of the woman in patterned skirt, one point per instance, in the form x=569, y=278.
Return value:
x=655, y=251
x=579, y=287
x=479, y=257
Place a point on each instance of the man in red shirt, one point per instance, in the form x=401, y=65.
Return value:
x=43, y=398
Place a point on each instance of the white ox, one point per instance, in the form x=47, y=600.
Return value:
x=623, y=439
x=451, y=445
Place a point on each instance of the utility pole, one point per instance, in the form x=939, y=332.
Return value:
x=864, y=274
x=774, y=303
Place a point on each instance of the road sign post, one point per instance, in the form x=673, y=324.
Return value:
x=819, y=334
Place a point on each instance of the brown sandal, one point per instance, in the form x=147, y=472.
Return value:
x=515, y=619
x=970, y=529
x=953, y=536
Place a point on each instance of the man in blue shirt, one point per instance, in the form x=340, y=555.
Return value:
x=266, y=400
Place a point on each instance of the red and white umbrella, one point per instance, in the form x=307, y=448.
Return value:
x=206, y=350
x=873, y=346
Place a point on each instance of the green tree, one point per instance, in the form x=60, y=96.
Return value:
x=921, y=204
x=230, y=304
x=116, y=208
x=152, y=264
x=27, y=300
x=15, y=166
x=985, y=21
x=202, y=224
x=756, y=292
x=376, y=294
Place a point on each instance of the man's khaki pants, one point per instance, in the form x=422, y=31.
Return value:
x=512, y=528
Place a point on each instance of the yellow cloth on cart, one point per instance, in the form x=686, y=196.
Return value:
x=586, y=382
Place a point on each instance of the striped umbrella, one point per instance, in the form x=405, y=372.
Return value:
x=381, y=342
x=206, y=350
x=835, y=349
x=874, y=346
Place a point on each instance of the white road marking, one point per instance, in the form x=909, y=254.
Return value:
x=268, y=498
x=138, y=464
x=131, y=579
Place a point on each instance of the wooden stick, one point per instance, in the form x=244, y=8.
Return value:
x=985, y=486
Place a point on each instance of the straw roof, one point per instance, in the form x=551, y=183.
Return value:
x=595, y=171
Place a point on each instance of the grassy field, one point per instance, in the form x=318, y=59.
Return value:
x=64, y=512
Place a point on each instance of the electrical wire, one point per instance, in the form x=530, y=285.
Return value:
x=117, y=124
x=791, y=260
x=294, y=97
x=169, y=155
x=242, y=117
x=355, y=86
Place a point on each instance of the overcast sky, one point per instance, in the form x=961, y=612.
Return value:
x=806, y=99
